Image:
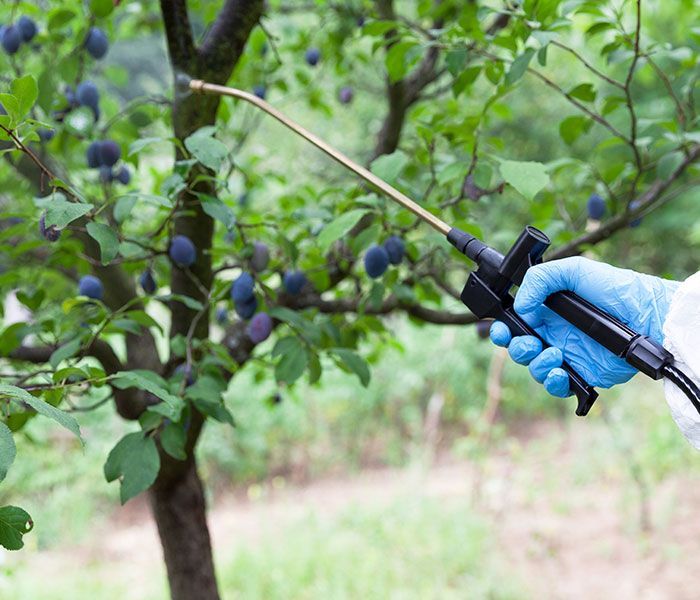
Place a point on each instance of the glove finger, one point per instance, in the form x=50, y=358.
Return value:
x=557, y=383
x=500, y=334
x=543, y=280
x=524, y=348
x=550, y=358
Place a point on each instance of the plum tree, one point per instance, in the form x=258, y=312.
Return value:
x=91, y=286
x=634, y=205
x=595, y=207
x=260, y=327
x=96, y=43
x=457, y=105
x=182, y=251
x=148, y=282
x=376, y=261
x=293, y=282
x=395, y=248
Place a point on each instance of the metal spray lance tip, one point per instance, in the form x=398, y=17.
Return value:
x=202, y=87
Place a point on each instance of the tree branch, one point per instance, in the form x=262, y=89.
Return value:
x=650, y=198
x=178, y=33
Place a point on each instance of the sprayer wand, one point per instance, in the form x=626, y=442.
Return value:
x=487, y=291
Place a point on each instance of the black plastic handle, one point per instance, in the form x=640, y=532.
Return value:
x=588, y=318
x=479, y=298
x=585, y=394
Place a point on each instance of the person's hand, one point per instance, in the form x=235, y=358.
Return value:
x=640, y=301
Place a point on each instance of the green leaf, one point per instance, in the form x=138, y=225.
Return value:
x=173, y=439
x=519, y=66
x=101, y=8
x=526, y=177
x=14, y=523
x=60, y=212
x=106, y=237
x=585, y=92
x=190, y=303
x=396, y=63
x=26, y=91
x=62, y=418
x=153, y=383
x=354, y=363
x=571, y=128
x=207, y=150
x=137, y=145
x=338, y=227
x=8, y=450
x=293, y=362
x=63, y=352
x=135, y=462
x=455, y=60
x=216, y=209
x=389, y=166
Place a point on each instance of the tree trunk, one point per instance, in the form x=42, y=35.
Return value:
x=180, y=512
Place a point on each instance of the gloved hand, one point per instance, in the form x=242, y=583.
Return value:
x=640, y=301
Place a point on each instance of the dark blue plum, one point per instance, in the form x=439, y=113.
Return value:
x=11, y=39
x=123, y=175
x=51, y=233
x=312, y=56
x=27, y=28
x=221, y=315
x=245, y=310
x=293, y=282
x=182, y=251
x=94, y=157
x=148, y=282
x=345, y=95
x=596, y=207
x=91, y=286
x=395, y=248
x=184, y=371
x=483, y=328
x=45, y=134
x=634, y=205
x=88, y=95
x=376, y=261
x=260, y=327
x=243, y=287
x=110, y=152
x=96, y=42
x=260, y=91
x=261, y=257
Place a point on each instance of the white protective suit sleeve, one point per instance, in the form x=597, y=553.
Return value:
x=682, y=338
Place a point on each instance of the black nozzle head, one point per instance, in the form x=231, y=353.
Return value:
x=466, y=243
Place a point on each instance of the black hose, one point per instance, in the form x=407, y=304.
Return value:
x=684, y=383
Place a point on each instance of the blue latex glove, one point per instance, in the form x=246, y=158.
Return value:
x=640, y=301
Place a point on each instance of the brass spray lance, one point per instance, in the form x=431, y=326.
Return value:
x=487, y=291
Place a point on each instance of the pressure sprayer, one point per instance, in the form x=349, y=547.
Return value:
x=487, y=291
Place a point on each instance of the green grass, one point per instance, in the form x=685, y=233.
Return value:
x=414, y=549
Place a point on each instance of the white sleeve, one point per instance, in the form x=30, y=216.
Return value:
x=682, y=338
